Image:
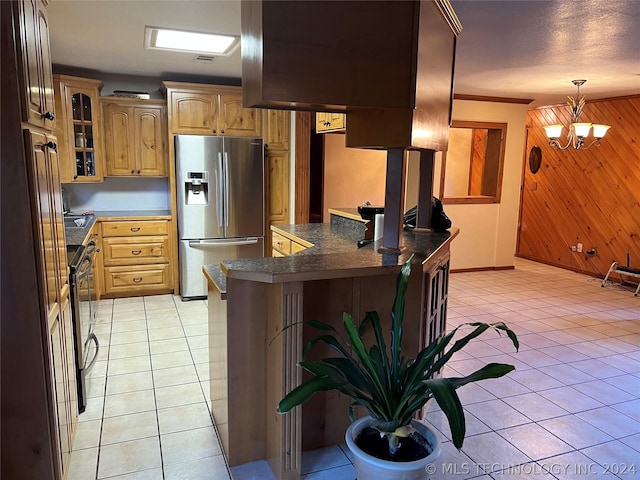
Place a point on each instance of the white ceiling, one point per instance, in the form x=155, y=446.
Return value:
x=513, y=48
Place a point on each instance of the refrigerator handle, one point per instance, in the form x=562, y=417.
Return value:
x=226, y=189
x=224, y=242
x=219, y=179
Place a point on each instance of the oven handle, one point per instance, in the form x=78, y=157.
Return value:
x=84, y=268
x=92, y=336
x=90, y=248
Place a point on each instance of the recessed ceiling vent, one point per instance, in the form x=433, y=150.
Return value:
x=204, y=59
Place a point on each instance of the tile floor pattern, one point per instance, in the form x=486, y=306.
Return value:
x=570, y=410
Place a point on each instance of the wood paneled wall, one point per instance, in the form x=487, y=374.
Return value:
x=584, y=196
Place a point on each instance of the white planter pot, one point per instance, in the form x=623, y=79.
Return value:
x=372, y=468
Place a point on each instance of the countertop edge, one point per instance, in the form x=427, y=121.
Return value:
x=350, y=264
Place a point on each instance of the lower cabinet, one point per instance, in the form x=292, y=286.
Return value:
x=63, y=379
x=283, y=245
x=137, y=257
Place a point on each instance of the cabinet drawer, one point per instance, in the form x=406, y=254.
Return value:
x=296, y=247
x=280, y=243
x=132, y=228
x=134, y=280
x=135, y=250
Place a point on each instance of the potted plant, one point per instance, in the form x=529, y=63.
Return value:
x=389, y=443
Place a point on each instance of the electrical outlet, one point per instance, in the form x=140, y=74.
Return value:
x=579, y=247
x=574, y=248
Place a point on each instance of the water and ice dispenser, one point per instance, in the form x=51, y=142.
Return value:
x=196, y=188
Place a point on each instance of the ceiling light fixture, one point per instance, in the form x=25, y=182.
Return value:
x=194, y=42
x=577, y=131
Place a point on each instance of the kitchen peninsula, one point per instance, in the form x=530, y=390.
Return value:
x=256, y=338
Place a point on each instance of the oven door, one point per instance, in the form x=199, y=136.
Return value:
x=83, y=316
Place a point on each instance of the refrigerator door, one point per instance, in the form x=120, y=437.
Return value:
x=196, y=253
x=244, y=187
x=199, y=184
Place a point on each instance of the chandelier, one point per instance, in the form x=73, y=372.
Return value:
x=577, y=131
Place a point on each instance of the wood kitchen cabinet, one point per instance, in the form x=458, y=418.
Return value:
x=37, y=92
x=39, y=396
x=283, y=244
x=137, y=254
x=209, y=109
x=277, y=134
x=45, y=182
x=79, y=131
x=135, y=137
x=331, y=122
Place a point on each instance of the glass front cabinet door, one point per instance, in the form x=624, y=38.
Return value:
x=81, y=150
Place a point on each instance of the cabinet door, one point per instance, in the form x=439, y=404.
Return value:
x=85, y=142
x=235, y=120
x=195, y=113
x=36, y=64
x=330, y=122
x=149, y=141
x=278, y=186
x=40, y=186
x=119, y=139
x=277, y=128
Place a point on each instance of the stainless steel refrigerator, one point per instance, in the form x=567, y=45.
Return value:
x=220, y=199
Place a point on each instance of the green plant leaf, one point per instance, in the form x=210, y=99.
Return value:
x=397, y=314
x=361, y=353
x=448, y=400
x=305, y=391
x=491, y=370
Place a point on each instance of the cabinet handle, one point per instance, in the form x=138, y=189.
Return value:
x=52, y=145
x=136, y=252
x=266, y=146
x=138, y=172
x=222, y=132
x=327, y=124
x=75, y=177
x=133, y=171
x=137, y=279
x=214, y=130
x=135, y=229
x=49, y=116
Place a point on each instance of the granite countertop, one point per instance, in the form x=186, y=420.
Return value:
x=78, y=235
x=334, y=252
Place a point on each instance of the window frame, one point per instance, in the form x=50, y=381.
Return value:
x=476, y=199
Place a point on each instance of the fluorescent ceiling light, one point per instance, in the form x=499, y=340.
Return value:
x=195, y=42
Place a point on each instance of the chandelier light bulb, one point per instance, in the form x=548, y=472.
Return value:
x=577, y=131
x=600, y=131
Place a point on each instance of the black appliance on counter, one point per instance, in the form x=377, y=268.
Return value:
x=83, y=315
x=368, y=212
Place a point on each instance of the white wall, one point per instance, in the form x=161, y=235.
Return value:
x=120, y=194
x=488, y=232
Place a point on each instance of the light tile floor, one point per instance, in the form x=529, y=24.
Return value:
x=570, y=410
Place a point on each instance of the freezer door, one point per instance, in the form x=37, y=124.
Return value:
x=244, y=187
x=199, y=184
x=194, y=254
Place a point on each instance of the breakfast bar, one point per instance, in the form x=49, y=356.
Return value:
x=256, y=312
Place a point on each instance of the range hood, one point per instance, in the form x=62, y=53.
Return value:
x=387, y=64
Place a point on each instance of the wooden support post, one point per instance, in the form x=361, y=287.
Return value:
x=425, y=189
x=394, y=199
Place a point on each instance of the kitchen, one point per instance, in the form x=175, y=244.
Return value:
x=155, y=202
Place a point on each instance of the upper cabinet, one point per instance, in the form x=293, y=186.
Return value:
x=37, y=91
x=205, y=110
x=330, y=122
x=277, y=129
x=135, y=137
x=81, y=150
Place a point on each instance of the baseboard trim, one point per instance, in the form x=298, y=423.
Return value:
x=481, y=269
x=564, y=267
